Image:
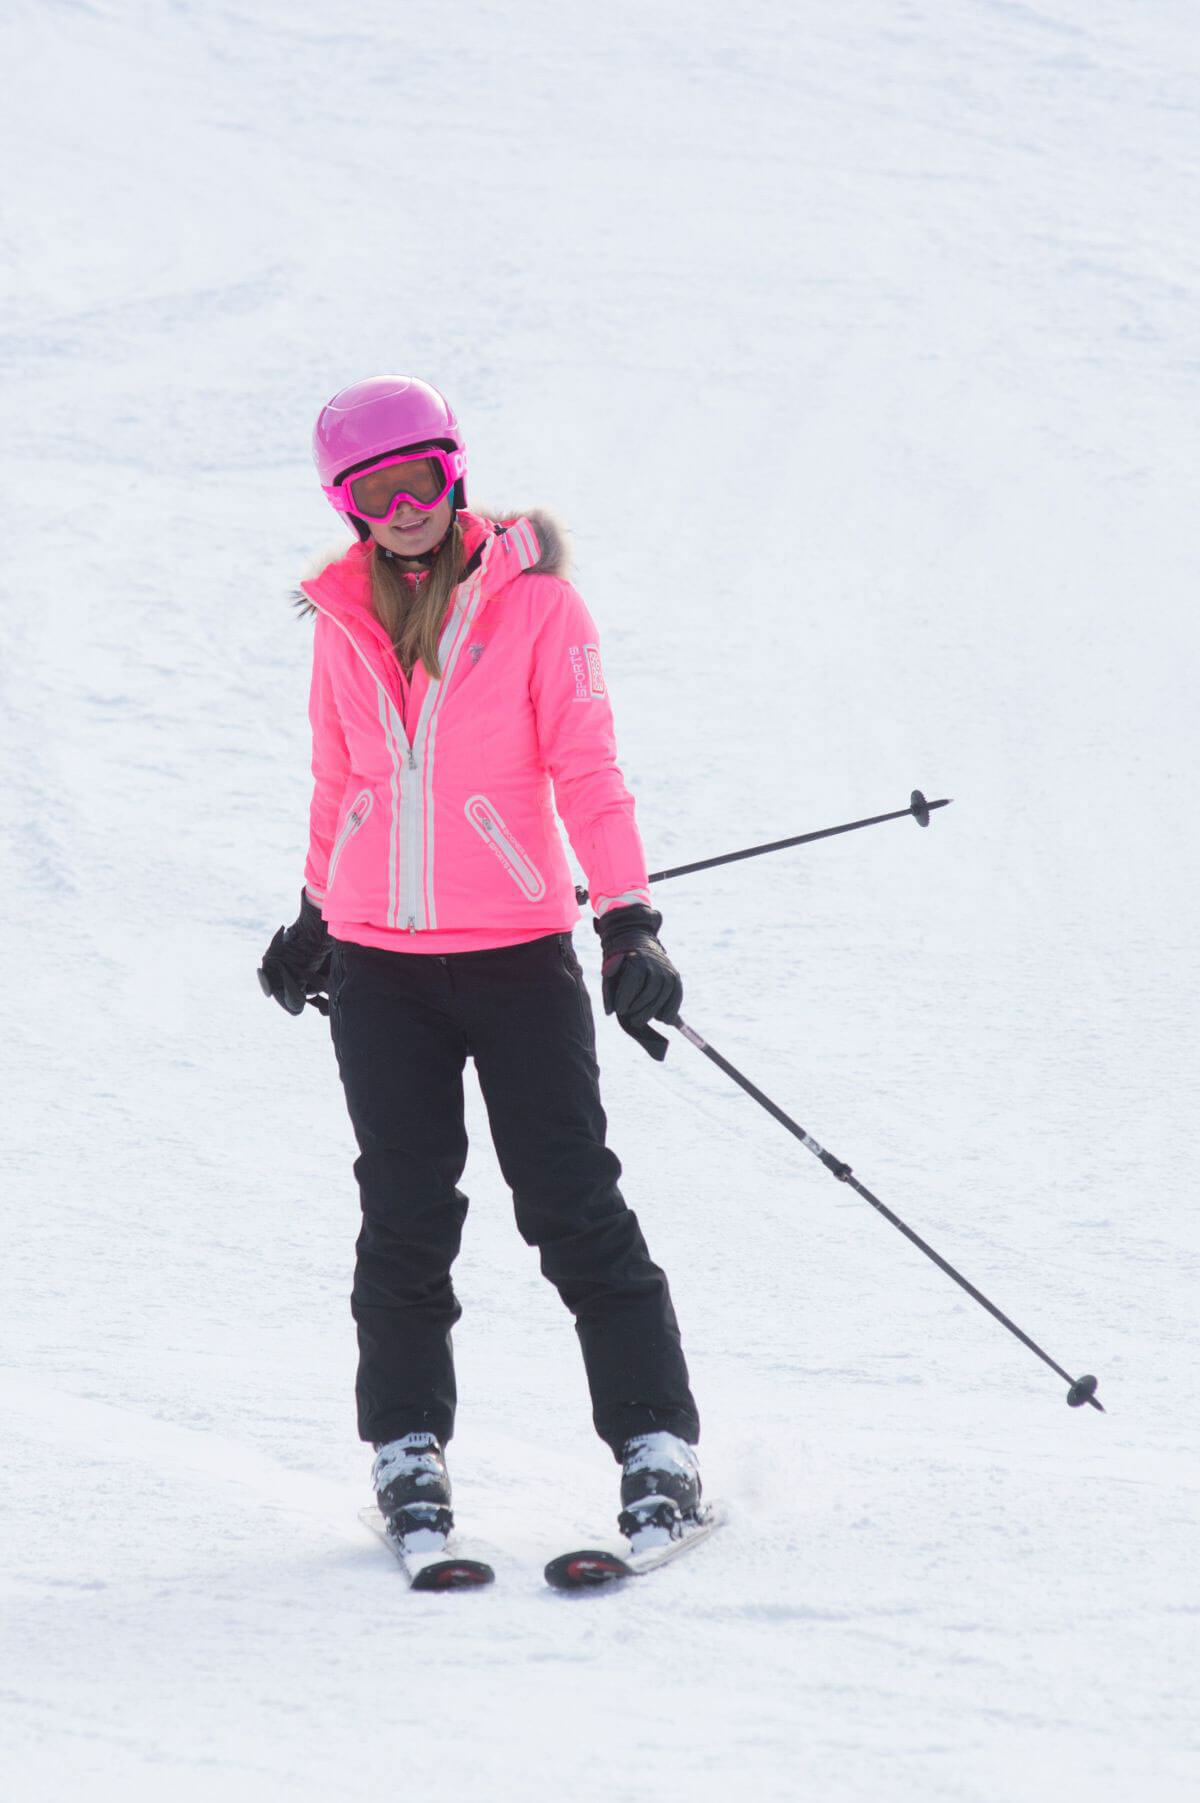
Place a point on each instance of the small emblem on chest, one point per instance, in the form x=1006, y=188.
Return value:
x=475, y=652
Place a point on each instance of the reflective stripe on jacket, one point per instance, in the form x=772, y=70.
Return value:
x=434, y=802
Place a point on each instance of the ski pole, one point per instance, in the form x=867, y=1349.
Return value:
x=1081, y=1390
x=918, y=807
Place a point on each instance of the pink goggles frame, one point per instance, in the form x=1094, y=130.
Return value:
x=453, y=466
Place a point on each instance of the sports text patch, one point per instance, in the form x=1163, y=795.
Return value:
x=587, y=671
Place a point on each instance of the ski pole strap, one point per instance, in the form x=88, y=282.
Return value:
x=1081, y=1389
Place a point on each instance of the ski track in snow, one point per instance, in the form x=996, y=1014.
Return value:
x=888, y=311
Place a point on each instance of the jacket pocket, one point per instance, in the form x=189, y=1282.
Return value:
x=362, y=805
x=492, y=830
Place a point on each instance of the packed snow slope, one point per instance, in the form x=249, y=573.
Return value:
x=858, y=346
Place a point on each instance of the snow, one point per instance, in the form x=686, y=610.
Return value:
x=858, y=346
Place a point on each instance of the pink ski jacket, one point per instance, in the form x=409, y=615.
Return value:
x=433, y=808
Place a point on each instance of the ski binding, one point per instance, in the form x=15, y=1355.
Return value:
x=434, y=1566
x=589, y=1567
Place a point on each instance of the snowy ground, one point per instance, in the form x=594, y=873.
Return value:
x=858, y=344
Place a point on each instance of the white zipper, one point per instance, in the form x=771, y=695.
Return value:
x=412, y=826
x=354, y=819
x=419, y=898
x=493, y=832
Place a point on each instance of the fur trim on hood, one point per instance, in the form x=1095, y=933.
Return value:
x=555, y=558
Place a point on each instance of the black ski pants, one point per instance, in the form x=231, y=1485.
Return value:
x=404, y=1025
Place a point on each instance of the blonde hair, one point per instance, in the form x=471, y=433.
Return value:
x=411, y=613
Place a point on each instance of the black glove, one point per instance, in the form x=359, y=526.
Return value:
x=638, y=981
x=296, y=964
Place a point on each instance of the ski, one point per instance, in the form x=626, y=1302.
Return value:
x=588, y=1567
x=438, y=1568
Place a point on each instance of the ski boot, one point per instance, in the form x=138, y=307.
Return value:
x=413, y=1491
x=660, y=1488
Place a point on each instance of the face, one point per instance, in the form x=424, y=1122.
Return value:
x=411, y=533
x=399, y=482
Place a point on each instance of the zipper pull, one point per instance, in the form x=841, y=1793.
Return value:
x=412, y=925
x=412, y=762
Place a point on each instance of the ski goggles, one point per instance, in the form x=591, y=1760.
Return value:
x=422, y=478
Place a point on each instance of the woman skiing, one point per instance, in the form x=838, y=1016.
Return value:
x=458, y=698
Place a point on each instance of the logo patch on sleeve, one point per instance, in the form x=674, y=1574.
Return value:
x=587, y=672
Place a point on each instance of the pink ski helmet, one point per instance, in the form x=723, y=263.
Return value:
x=374, y=418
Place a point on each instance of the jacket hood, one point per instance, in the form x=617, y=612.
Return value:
x=541, y=542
